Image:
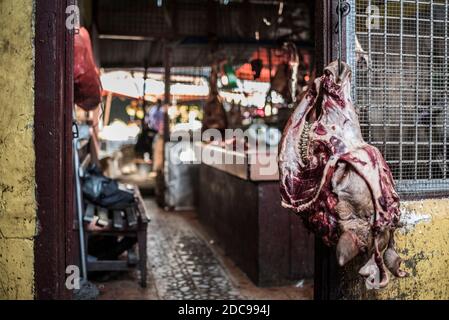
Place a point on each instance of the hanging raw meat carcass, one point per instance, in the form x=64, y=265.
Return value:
x=87, y=80
x=290, y=78
x=280, y=82
x=214, y=112
x=340, y=185
x=286, y=77
x=235, y=117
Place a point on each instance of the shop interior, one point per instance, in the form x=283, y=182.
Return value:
x=169, y=71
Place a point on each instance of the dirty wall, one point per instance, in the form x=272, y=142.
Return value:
x=17, y=178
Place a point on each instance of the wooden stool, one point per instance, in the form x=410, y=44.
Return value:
x=132, y=222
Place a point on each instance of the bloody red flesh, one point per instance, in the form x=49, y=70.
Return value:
x=322, y=136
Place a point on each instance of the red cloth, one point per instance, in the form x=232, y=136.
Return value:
x=87, y=79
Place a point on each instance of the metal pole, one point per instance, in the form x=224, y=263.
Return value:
x=167, y=98
x=145, y=78
x=79, y=207
x=167, y=67
x=340, y=35
x=270, y=66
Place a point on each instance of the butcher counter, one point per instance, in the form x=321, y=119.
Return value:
x=240, y=203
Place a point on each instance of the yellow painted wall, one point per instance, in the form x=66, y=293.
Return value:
x=425, y=250
x=423, y=243
x=17, y=158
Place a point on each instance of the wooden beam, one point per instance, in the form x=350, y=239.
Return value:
x=107, y=111
x=167, y=68
x=55, y=243
x=326, y=43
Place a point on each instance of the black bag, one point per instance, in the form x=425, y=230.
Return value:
x=105, y=192
x=145, y=142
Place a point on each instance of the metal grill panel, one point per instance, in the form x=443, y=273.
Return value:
x=399, y=54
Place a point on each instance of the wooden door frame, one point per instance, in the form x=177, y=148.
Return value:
x=55, y=243
x=327, y=274
x=53, y=87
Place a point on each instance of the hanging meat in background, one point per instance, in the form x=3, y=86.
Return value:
x=235, y=116
x=340, y=185
x=280, y=82
x=214, y=112
x=286, y=77
x=292, y=76
x=87, y=80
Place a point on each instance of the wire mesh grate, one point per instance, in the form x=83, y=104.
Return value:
x=399, y=53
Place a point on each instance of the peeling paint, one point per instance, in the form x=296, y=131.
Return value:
x=424, y=245
x=409, y=219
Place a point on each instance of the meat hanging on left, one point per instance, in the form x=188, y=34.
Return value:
x=86, y=74
x=214, y=112
x=340, y=185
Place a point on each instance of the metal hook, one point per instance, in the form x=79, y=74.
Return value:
x=343, y=10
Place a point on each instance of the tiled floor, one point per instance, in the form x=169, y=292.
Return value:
x=185, y=264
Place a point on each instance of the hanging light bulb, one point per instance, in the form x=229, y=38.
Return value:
x=224, y=80
x=281, y=8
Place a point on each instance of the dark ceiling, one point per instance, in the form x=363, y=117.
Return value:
x=132, y=34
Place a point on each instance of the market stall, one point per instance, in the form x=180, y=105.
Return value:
x=248, y=85
x=240, y=203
